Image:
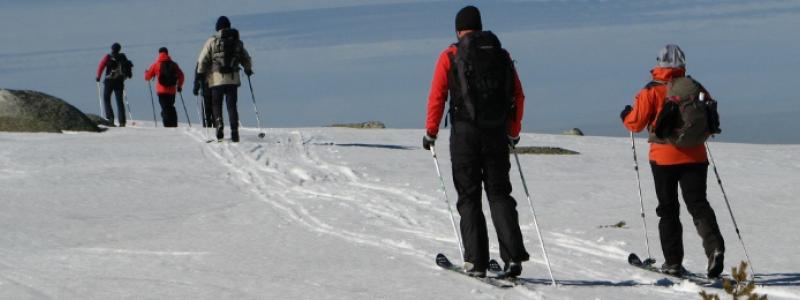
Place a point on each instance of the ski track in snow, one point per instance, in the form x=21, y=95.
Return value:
x=295, y=181
x=286, y=171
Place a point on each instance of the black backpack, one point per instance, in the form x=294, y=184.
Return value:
x=226, y=50
x=168, y=74
x=483, y=81
x=118, y=67
x=688, y=116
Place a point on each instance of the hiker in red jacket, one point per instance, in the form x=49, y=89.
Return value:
x=482, y=130
x=117, y=69
x=675, y=166
x=170, y=80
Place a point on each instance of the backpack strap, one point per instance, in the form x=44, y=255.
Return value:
x=655, y=83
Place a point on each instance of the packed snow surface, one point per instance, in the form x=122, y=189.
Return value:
x=324, y=213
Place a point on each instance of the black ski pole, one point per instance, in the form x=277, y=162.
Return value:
x=261, y=134
x=152, y=102
x=728, y=204
x=184, y=110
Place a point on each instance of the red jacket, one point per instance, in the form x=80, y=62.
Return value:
x=647, y=106
x=102, y=67
x=155, y=71
x=440, y=90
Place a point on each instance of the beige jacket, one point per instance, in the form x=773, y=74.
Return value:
x=206, y=66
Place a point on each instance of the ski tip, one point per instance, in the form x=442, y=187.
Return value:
x=442, y=260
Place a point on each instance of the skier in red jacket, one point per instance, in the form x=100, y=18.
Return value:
x=117, y=69
x=479, y=151
x=170, y=80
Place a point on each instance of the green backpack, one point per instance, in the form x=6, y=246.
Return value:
x=688, y=117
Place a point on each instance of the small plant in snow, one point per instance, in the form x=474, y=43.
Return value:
x=740, y=287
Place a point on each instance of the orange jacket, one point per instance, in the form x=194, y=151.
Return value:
x=647, y=106
x=155, y=71
x=440, y=90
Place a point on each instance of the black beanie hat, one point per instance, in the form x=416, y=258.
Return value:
x=163, y=50
x=115, y=48
x=223, y=23
x=468, y=18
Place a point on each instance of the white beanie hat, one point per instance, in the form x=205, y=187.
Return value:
x=671, y=57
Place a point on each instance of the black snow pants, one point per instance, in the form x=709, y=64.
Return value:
x=480, y=157
x=229, y=93
x=208, y=114
x=169, y=116
x=692, y=180
x=117, y=87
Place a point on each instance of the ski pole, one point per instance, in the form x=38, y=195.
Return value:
x=255, y=107
x=447, y=200
x=184, y=110
x=197, y=104
x=728, y=204
x=128, y=104
x=533, y=212
x=152, y=102
x=201, y=107
x=100, y=99
x=649, y=259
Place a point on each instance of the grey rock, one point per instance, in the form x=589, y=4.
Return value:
x=544, y=150
x=364, y=125
x=31, y=111
x=100, y=120
x=573, y=131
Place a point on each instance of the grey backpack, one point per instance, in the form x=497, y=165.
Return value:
x=689, y=115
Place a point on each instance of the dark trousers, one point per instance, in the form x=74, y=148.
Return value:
x=692, y=180
x=208, y=114
x=480, y=157
x=228, y=93
x=168, y=114
x=117, y=87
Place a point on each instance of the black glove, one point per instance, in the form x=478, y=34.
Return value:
x=248, y=72
x=428, y=142
x=513, y=141
x=625, y=112
x=180, y=89
x=196, y=88
x=97, y=79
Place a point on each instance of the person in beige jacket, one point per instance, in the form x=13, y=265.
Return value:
x=221, y=58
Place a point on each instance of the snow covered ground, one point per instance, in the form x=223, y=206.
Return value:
x=323, y=213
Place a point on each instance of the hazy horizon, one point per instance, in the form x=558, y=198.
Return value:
x=324, y=62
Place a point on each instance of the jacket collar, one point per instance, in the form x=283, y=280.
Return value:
x=666, y=74
x=164, y=57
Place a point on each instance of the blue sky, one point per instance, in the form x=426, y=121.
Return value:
x=323, y=62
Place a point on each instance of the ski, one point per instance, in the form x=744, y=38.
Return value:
x=443, y=262
x=697, y=278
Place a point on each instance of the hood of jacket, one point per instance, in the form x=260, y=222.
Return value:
x=666, y=74
x=163, y=57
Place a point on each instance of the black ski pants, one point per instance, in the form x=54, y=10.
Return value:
x=208, y=114
x=229, y=93
x=480, y=157
x=117, y=87
x=692, y=180
x=169, y=116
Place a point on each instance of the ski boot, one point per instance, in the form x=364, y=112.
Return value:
x=472, y=271
x=715, y=264
x=676, y=270
x=513, y=269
